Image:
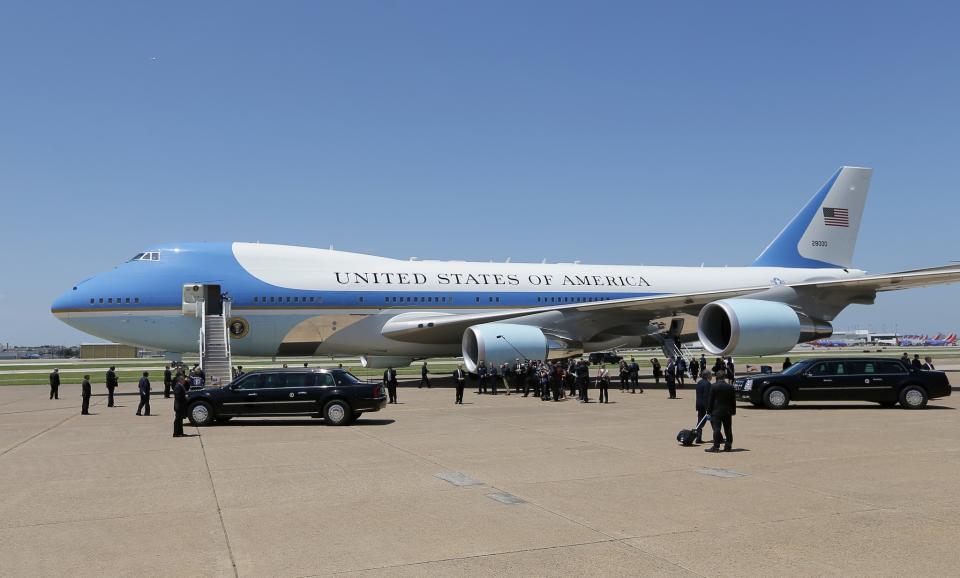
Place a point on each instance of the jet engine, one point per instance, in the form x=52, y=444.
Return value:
x=498, y=343
x=755, y=327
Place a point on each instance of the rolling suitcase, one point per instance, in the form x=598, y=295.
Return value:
x=687, y=436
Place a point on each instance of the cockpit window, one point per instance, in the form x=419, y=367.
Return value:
x=150, y=256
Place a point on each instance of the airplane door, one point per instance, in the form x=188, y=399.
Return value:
x=214, y=299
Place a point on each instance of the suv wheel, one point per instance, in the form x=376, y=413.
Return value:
x=201, y=414
x=776, y=398
x=337, y=412
x=913, y=397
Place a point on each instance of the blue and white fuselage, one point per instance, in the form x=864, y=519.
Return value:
x=288, y=300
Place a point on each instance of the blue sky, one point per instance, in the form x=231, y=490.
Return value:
x=610, y=132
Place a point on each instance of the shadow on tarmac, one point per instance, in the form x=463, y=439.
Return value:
x=820, y=406
x=299, y=422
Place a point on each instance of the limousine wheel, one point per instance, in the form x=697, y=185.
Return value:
x=201, y=414
x=776, y=398
x=337, y=412
x=913, y=397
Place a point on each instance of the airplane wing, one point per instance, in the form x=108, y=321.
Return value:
x=422, y=327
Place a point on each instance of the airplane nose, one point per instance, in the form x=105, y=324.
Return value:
x=65, y=302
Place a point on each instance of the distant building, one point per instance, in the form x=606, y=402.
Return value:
x=108, y=351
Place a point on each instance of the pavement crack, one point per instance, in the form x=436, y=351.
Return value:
x=40, y=433
x=470, y=557
x=216, y=497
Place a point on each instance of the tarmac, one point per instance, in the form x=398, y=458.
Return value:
x=501, y=486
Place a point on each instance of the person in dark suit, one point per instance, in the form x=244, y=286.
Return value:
x=112, y=383
x=672, y=379
x=85, y=394
x=703, y=396
x=482, y=375
x=167, y=381
x=179, y=406
x=916, y=362
x=634, y=371
x=786, y=363
x=603, y=384
x=390, y=380
x=144, y=388
x=722, y=406
x=424, y=376
x=461, y=378
x=55, y=384
x=928, y=363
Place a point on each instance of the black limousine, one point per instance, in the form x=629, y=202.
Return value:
x=336, y=395
x=882, y=380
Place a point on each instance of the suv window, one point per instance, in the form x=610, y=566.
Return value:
x=861, y=366
x=891, y=367
x=827, y=368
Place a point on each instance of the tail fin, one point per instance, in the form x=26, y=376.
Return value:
x=824, y=232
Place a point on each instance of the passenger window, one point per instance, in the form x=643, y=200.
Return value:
x=270, y=380
x=828, y=368
x=324, y=379
x=296, y=380
x=861, y=367
x=247, y=382
x=891, y=367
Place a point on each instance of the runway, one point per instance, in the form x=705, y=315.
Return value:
x=501, y=485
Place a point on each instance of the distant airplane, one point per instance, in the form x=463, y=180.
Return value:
x=287, y=300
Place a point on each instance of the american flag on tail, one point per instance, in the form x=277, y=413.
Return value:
x=834, y=217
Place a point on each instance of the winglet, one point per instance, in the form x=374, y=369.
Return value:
x=824, y=232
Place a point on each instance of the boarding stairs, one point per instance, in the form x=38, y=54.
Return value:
x=215, y=357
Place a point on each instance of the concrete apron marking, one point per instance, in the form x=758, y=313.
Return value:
x=505, y=498
x=458, y=479
x=721, y=473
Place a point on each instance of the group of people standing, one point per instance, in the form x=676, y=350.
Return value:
x=547, y=380
x=177, y=382
x=677, y=369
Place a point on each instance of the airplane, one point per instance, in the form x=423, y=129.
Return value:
x=940, y=341
x=301, y=301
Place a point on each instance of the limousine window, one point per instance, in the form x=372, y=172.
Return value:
x=828, y=368
x=295, y=380
x=798, y=367
x=246, y=382
x=345, y=378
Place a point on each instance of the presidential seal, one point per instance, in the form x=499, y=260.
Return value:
x=239, y=327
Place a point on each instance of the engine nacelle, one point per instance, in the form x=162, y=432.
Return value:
x=498, y=343
x=755, y=327
x=384, y=361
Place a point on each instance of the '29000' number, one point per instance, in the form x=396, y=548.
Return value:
x=819, y=243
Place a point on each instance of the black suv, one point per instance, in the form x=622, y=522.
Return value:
x=885, y=381
x=336, y=395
